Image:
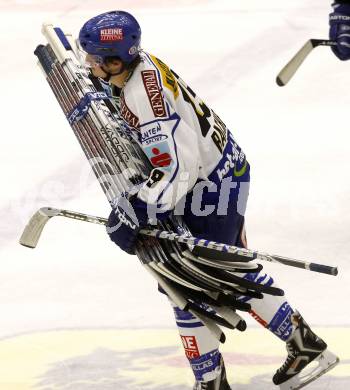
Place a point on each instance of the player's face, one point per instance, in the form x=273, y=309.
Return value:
x=101, y=69
x=100, y=66
x=112, y=65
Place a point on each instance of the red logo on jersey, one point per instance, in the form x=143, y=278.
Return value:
x=129, y=117
x=160, y=159
x=191, y=347
x=111, y=34
x=154, y=93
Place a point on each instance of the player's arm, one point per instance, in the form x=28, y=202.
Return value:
x=171, y=146
x=339, y=21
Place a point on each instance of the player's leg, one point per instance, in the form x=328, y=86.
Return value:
x=201, y=347
x=274, y=313
x=202, y=351
x=302, y=344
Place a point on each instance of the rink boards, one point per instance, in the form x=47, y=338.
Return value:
x=103, y=359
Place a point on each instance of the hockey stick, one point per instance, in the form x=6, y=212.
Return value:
x=293, y=65
x=35, y=226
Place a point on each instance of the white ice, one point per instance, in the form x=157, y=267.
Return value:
x=296, y=139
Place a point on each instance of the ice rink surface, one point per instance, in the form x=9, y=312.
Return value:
x=77, y=303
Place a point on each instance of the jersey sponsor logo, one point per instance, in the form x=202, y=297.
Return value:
x=151, y=135
x=167, y=76
x=111, y=34
x=154, y=93
x=240, y=172
x=129, y=117
x=191, y=347
x=160, y=155
x=155, y=139
x=232, y=158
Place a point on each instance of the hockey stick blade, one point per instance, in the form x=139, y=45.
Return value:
x=294, y=64
x=32, y=232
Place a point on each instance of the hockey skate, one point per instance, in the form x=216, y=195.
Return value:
x=303, y=347
x=219, y=383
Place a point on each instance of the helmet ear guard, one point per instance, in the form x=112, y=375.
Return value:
x=111, y=34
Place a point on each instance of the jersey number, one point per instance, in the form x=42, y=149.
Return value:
x=203, y=112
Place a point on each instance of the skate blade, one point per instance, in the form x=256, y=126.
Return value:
x=326, y=361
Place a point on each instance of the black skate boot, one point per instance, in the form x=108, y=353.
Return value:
x=303, y=346
x=219, y=383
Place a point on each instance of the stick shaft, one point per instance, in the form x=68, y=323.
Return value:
x=248, y=253
x=31, y=235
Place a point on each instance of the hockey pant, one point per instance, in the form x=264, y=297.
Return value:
x=274, y=313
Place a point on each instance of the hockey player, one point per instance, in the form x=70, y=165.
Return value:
x=200, y=172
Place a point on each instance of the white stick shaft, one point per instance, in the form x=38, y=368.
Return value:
x=50, y=34
x=33, y=230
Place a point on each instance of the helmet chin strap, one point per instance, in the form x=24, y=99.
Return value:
x=109, y=74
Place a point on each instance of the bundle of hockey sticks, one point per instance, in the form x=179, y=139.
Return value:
x=192, y=279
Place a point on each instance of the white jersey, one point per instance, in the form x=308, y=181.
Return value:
x=184, y=140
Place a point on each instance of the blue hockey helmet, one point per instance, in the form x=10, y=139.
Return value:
x=111, y=34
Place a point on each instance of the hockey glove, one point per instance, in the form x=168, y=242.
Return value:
x=126, y=219
x=339, y=21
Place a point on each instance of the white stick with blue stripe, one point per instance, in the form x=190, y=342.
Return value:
x=32, y=232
